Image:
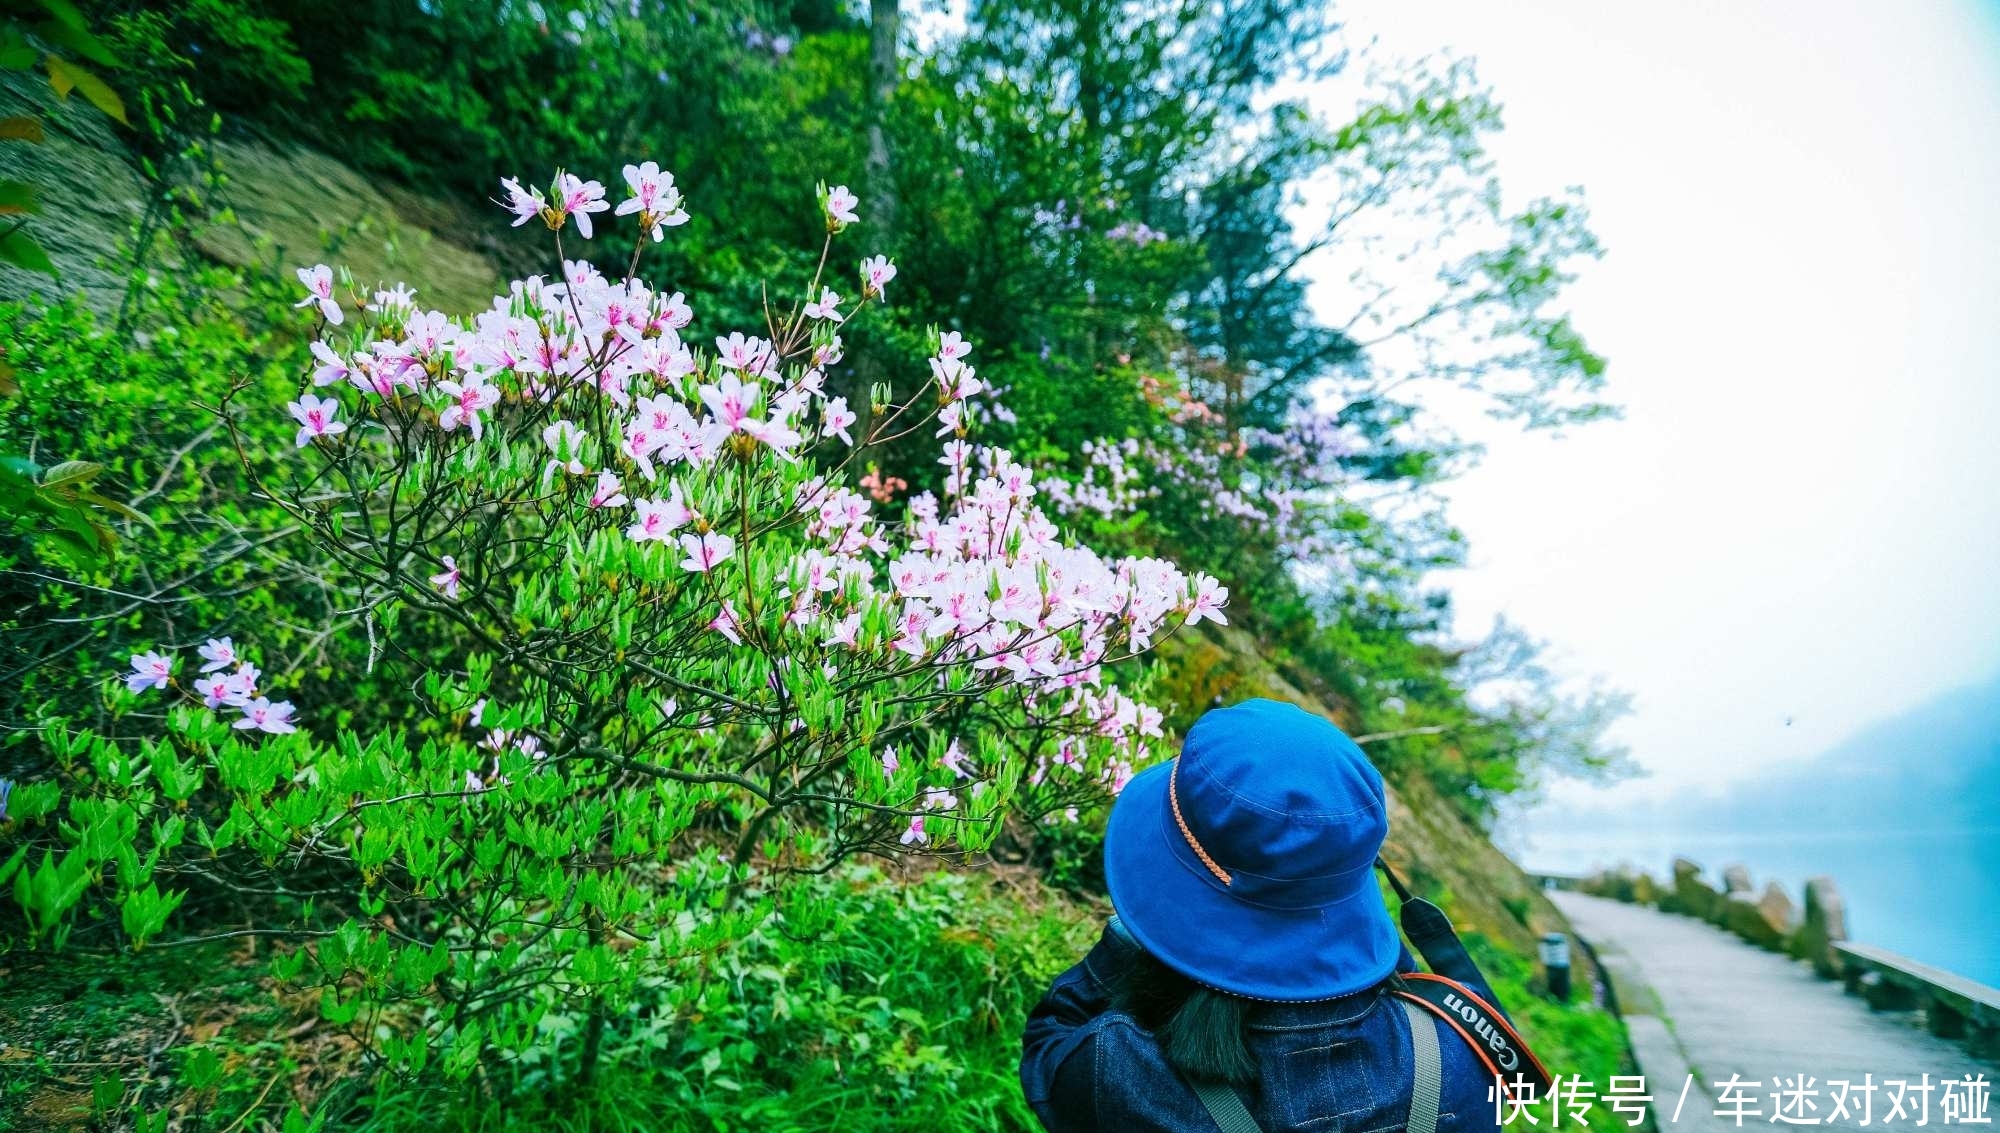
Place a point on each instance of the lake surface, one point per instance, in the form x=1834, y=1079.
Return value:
x=1932, y=895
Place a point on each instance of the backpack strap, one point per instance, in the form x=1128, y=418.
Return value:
x=1428, y=1088
x=1226, y=1106
x=1484, y=1029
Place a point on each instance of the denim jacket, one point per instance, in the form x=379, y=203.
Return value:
x=1338, y=1066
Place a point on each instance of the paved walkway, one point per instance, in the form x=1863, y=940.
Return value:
x=1699, y=1001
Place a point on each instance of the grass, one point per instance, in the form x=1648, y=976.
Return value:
x=873, y=1002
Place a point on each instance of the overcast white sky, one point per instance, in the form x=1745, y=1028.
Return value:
x=1799, y=516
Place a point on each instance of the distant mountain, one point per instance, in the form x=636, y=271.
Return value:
x=1935, y=765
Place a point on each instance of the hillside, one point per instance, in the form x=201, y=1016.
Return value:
x=528, y=782
x=294, y=204
x=290, y=204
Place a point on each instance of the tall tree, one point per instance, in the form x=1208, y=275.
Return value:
x=885, y=28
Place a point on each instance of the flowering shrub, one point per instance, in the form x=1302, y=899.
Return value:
x=661, y=649
x=1231, y=497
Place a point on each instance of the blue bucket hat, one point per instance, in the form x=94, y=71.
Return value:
x=1246, y=864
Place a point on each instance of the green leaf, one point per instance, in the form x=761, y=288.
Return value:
x=113, y=506
x=21, y=128
x=78, y=551
x=78, y=40
x=65, y=13
x=19, y=248
x=18, y=198
x=71, y=472
x=66, y=76
x=16, y=53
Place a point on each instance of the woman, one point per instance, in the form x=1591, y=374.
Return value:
x=1245, y=976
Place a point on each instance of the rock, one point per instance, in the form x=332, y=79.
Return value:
x=1823, y=925
x=293, y=206
x=1690, y=895
x=1614, y=883
x=1735, y=882
x=1777, y=907
x=1743, y=914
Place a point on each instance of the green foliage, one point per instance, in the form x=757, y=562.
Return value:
x=203, y=552
x=51, y=35
x=1570, y=1038
x=60, y=511
x=488, y=947
x=866, y=1003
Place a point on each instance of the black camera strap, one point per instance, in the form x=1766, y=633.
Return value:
x=1456, y=991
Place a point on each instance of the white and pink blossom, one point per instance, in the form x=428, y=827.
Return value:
x=151, y=669
x=447, y=580
x=316, y=416
x=706, y=552
x=840, y=205
x=263, y=716
x=319, y=291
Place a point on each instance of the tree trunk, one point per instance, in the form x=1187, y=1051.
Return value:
x=884, y=29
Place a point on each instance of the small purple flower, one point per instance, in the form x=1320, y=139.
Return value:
x=6, y=788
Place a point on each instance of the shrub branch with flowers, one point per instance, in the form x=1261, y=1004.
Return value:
x=660, y=651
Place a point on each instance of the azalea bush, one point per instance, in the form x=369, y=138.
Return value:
x=660, y=650
x=1245, y=501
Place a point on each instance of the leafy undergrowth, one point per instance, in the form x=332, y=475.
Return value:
x=875, y=1002
x=1577, y=1038
x=201, y=1034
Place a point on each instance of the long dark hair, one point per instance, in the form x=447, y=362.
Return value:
x=1201, y=1030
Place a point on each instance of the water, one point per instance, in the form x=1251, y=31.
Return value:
x=1932, y=895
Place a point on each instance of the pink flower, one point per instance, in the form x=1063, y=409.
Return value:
x=315, y=415
x=705, y=552
x=1209, y=598
x=840, y=204
x=954, y=761
x=952, y=347
x=915, y=834
x=876, y=272
x=319, y=289
x=216, y=691
x=525, y=204
x=954, y=378
x=447, y=580
x=780, y=436
x=609, y=491
x=331, y=369
x=654, y=198
x=726, y=624
x=740, y=353
x=150, y=670
x=845, y=630
x=239, y=686
x=730, y=400
x=836, y=419
x=828, y=306
x=218, y=653
x=565, y=440
x=579, y=198
x=657, y=520
x=264, y=716
x=890, y=763
x=468, y=398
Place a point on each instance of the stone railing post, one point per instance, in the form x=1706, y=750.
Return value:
x=1824, y=925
